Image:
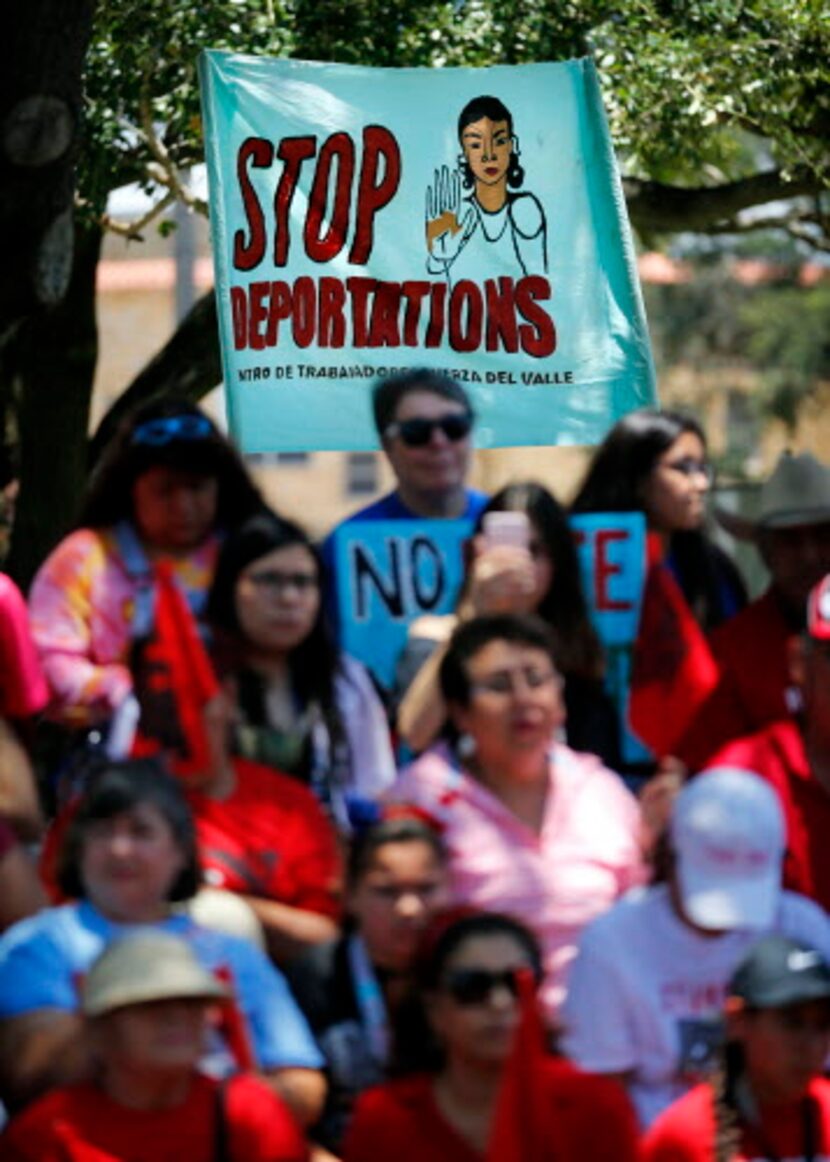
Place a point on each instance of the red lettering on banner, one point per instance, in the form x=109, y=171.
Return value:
x=293, y=151
x=603, y=569
x=339, y=147
x=537, y=334
x=374, y=192
x=260, y=153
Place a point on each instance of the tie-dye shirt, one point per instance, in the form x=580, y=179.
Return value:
x=90, y=600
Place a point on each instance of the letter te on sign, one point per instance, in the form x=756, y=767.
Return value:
x=604, y=569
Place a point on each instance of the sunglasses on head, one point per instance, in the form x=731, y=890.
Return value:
x=157, y=433
x=473, y=986
x=417, y=432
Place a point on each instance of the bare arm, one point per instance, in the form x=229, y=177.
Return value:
x=21, y=892
x=302, y=1090
x=290, y=931
x=422, y=710
x=38, y=1050
x=19, y=802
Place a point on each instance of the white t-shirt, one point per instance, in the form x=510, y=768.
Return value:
x=646, y=992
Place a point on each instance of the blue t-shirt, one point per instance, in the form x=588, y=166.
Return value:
x=43, y=957
x=391, y=507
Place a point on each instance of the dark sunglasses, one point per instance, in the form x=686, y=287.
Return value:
x=417, y=432
x=473, y=986
x=157, y=433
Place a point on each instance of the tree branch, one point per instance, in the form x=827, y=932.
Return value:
x=654, y=207
x=132, y=230
x=165, y=171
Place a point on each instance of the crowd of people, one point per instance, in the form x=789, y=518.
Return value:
x=255, y=907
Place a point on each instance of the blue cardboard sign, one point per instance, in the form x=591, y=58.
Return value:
x=611, y=547
x=387, y=574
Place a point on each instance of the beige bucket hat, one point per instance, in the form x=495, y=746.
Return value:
x=150, y=966
x=797, y=493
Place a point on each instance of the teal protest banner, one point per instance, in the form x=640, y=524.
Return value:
x=467, y=220
x=387, y=573
x=611, y=547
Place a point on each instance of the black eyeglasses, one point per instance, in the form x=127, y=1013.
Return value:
x=274, y=581
x=688, y=466
x=417, y=432
x=474, y=986
x=158, y=432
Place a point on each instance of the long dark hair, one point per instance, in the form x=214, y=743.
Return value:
x=563, y=607
x=495, y=110
x=109, y=497
x=314, y=663
x=614, y=483
x=415, y=1047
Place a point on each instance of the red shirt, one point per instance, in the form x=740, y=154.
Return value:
x=751, y=652
x=79, y=1123
x=777, y=754
x=685, y=1132
x=269, y=838
x=590, y=1119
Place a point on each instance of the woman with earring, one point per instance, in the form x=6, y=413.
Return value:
x=494, y=228
x=533, y=828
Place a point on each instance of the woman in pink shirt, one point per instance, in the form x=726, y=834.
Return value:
x=166, y=488
x=533, y=829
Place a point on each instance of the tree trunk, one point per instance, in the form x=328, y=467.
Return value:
x=57, y=353
x=44, y=46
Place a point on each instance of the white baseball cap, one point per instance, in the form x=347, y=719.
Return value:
x=728, y=835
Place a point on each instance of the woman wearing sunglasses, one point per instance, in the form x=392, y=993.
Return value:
x=532, y=827
x=454, y=1049
x=167, y=488
x=304, y=708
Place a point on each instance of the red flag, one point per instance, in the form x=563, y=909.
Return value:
x=175, y=683
x=673, y=671
x=521, y=1129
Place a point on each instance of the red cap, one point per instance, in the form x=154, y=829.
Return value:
x=818, y=611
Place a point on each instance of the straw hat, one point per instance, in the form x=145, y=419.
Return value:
x=151, y=966
x=797, y=493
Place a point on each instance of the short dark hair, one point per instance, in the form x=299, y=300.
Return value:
x=494, y=110
x=388, y=393
x=113, y=787
x=399, y=829
x=472, y=636
x=109, y=497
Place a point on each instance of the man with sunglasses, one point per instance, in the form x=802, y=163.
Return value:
x=424, y=420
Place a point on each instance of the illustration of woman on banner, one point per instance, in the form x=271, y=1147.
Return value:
x=494, y=229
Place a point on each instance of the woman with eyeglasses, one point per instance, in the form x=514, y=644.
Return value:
x=304, y=708
x=540, y=576
x=532, y=827
x=656, y=462
x=454, y=1049
x=166, y=489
